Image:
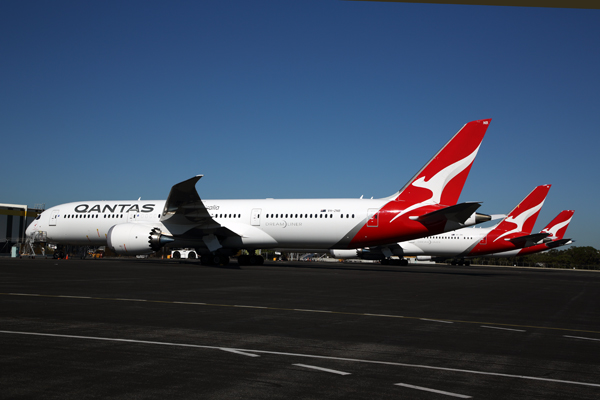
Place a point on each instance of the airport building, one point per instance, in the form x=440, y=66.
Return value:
x=14, y=219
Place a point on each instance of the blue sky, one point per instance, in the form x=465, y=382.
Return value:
x=297, y=99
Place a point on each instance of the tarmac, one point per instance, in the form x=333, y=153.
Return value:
x=151, y=329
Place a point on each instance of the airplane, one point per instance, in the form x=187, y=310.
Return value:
x=556, y=228
x=512, y=232
x=217, y=229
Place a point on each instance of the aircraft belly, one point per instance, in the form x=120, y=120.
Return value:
x=254, y=237
x=409, y=249
x=433, y=247
x=510, y=253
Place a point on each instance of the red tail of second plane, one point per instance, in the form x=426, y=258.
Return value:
x=514, y=231
x=558, y=226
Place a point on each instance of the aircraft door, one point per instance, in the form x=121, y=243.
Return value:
x=54, y=217
x=132, y=216
x=255, y=218
x=372, y=217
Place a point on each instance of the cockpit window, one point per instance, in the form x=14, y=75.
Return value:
x=38, y=217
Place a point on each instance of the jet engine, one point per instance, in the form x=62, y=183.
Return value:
x=365, y=254
x=351, y=253
x=477, y=218
x=136, y=239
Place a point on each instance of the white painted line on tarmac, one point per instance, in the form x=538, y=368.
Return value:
x=241, y=306
x=131, y=299
x=436, y=320
x=333, y=371
x=298, y=309
x=239, y=352
x=384, y=315
x=462, y=396
x=279, y=353
x=579, y=337
x=504, y=329
x=113, y=339
x=23, y=294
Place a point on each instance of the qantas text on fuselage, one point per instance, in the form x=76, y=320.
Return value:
x=114, y=208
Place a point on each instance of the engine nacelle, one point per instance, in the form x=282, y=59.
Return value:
x=371, y=254
x=350, y=253
x=136, y=239
x=365, y=254
x=477, y=218
x=424, y=258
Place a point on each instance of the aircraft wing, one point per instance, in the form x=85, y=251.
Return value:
x=457, y=213
x=185, y=212
x=184, y=205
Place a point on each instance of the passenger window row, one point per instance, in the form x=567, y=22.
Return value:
x=93, y=216
x=323, y=215
x=307, y=216
x=451, y=237
x=284, y=216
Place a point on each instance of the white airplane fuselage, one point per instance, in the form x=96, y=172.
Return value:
x=449, y=244
x=267, y=223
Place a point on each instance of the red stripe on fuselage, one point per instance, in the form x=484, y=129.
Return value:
x=390, y=230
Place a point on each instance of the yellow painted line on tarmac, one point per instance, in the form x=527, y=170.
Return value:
x=299, y=310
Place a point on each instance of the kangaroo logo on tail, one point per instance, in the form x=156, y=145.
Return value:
x=524, y=215
x=437, y=184
x=562, y=220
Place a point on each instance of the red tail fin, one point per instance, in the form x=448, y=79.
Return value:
x=522, y=218
x=558, y=226
x=441, y=180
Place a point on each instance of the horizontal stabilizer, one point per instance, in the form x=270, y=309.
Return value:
x=558, y=243
x=457, y=213
x=528, y=240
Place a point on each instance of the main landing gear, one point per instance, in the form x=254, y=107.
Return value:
x=461, y=261
x=392, y=261
x=251, y=260
x=223, y=260
x=214, y=259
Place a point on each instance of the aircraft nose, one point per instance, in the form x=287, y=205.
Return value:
x=30, y=229
x=33, y=227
